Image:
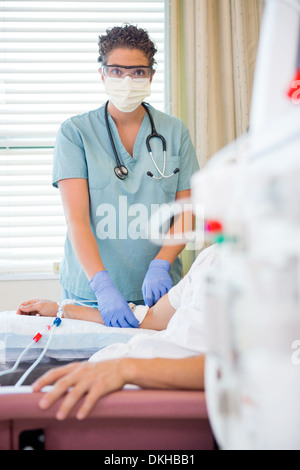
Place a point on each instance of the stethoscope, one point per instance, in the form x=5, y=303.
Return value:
x=121, y=170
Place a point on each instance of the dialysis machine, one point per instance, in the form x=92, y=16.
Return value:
x=251, y=191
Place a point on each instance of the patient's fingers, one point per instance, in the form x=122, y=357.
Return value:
x=28, y=310
x=25, y=306
x=52, y=376
x=76, y=380
x=73, y=396
x=46, y=308
x=66, y=380
x=89, y=402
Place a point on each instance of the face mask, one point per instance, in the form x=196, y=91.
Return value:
x=127, y=94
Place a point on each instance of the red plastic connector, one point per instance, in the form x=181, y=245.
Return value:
x=213, y=226
x=37, y=337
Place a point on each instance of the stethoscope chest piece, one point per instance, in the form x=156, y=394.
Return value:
x=121, y=172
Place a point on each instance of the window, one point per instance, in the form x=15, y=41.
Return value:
x=48, y=72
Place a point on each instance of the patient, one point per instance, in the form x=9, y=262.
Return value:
x=182, y=304
x=95, y=380
x=49, y=308
x=156, y=316
x=171, y=358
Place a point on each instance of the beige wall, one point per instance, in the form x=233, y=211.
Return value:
x=13, y=292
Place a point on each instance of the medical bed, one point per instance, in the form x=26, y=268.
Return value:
x=72, y=339
x=131, y=419
x=124, y=420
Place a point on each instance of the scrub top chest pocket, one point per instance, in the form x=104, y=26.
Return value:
x=168, y=185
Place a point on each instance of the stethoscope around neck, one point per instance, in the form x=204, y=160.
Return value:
x=120, y=170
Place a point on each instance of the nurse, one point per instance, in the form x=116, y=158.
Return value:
x=110, y=185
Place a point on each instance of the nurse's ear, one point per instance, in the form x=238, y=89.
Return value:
x=101, y=74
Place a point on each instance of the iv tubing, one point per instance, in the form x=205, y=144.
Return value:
x=25, y=375
x=5, y=372
x=56, y=323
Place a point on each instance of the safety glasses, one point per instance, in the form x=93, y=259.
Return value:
x=122, y=71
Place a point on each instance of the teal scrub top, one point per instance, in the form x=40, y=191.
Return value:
x=119, y=208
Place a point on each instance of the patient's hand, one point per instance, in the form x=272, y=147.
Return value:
x=48, y=308
x=45, y=308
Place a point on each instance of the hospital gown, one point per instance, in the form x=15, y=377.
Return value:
x=186, y=334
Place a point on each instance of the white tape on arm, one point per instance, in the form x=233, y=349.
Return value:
x=140, y=311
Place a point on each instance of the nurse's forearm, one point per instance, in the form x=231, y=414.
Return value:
x=85, y=247
x=76, y=203
x=170, y=253
x=183, y=223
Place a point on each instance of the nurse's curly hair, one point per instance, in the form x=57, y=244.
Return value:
x=126, y=36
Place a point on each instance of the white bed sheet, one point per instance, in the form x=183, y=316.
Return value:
x=71, y=340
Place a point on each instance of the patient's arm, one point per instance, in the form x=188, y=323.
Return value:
x=157, y=317
x=48, y=308
x=91, y=381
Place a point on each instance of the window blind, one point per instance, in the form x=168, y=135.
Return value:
x=49, y=72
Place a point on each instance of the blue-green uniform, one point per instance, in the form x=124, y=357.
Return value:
x=119, y=208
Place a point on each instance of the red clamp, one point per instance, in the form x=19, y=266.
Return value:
x=37, y=337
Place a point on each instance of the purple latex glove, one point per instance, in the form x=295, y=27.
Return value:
x=157, y=281
x=114, y=309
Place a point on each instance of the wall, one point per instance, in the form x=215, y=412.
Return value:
x=14, y=292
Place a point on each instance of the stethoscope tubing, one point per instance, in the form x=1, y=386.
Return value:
x=120, y=170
